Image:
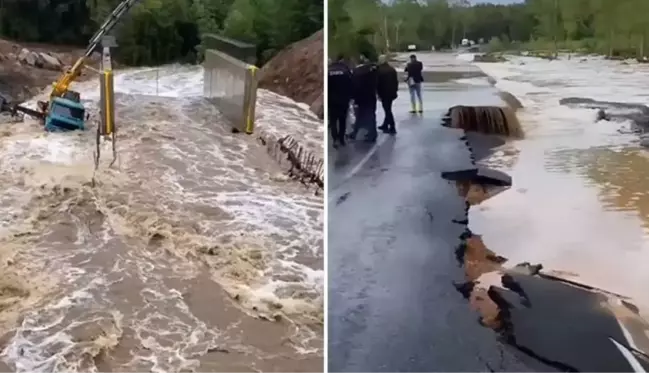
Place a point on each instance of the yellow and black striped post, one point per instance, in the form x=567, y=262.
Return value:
x=250, y=98
x=107, y=91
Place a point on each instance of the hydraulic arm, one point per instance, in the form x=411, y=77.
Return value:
x=62, y=86
x=64, y=110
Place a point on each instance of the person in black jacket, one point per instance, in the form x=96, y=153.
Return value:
x=365, y=80
x=339, y=97
x=388, y=85
x=414, y=78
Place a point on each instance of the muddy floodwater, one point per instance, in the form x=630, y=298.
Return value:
x=193, y=252
x=579, y=204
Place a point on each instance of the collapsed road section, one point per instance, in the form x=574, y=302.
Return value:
x=392, y=240
x=553, y=322
x=412, y=288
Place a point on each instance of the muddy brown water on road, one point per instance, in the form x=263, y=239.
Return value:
x=194, y=252
x=580, y=203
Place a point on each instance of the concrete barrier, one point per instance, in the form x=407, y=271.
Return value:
x=231, y=85
x=242, y=51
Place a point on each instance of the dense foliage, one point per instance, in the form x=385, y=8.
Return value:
x=159, y=31
x=612, y=27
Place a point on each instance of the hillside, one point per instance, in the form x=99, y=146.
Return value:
x=296, y=72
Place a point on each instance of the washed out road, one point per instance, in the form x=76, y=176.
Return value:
x=392, y=304
x=392, y=234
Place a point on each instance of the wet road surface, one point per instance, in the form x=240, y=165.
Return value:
x=392, y=266
x=392, y=304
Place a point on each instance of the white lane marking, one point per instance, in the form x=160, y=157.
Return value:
x=625, y=332
x=360, y=164
x=635, y=364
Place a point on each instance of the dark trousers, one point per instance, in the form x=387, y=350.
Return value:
x=388, y=122
x=338, y=121
x=366, y=119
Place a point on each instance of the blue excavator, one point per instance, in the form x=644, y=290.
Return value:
x=64, y=110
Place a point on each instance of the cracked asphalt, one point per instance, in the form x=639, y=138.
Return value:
x=394, y=226
x=392, y=303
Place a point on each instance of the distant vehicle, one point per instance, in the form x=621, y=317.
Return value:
x=465, y=42
x=412, y=47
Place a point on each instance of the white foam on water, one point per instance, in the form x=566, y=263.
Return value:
x=564, y=209
x=482, y=82
x=467, y=57
x=189, y=167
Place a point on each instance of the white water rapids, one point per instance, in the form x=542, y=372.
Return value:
x=132, y=274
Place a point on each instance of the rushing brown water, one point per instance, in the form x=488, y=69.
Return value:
x=490, y=120
x=579, y=204
x=194, y=252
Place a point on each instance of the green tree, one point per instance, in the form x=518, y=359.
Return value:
x=161, y=31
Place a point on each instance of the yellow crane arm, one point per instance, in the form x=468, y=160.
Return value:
x=61, y=86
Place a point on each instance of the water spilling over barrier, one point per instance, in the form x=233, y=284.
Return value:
x=490, y=120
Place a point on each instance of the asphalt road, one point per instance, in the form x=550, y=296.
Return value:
x=392, y=267
x=392, y=303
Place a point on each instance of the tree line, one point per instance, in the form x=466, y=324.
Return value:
x=162, y=31
x=609, y=27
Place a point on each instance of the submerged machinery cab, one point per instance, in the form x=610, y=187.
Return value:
x=65, y=114
x=64, y=110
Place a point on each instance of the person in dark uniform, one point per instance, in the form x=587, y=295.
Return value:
x=339, y=97
x=414, y=78
x=365, y=82
x=388, y=85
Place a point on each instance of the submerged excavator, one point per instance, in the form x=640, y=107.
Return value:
x=64, y=110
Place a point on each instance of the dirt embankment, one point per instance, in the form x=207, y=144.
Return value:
x=296, y=72
x=27, y=68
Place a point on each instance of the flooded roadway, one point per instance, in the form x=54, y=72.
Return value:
x=580, y=204
x=392, y=304
x=393, y=231
x=195, y=252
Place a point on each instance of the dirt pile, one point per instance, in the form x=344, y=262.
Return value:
x=27, y=68
x=296, y=72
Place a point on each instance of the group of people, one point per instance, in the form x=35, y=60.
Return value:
x=362, y=86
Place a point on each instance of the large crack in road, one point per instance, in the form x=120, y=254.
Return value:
x=554, y=322
x=413, y=288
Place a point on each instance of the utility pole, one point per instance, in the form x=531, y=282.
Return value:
x=396, y=36
x=555, y=26
x=457, y=7
x=385, y=32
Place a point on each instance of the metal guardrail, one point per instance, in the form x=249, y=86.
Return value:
x=231, y=85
